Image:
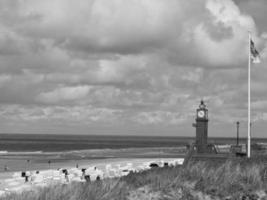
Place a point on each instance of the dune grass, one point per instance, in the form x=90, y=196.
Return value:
x=232, y=179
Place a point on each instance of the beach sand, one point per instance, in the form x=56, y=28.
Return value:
x=9, y=183
x=49, y=162
x=22, y=161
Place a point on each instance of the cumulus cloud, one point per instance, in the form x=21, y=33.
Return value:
x=137, y=62
x=64, y=94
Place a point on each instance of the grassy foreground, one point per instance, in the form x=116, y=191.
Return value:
x=234, y=179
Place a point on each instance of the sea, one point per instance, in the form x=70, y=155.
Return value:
x=42, y=151
x=55, y=143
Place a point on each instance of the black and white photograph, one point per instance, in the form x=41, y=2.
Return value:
x=133, y=99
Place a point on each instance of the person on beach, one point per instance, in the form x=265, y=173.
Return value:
x=83, y=173
x=27, y=176
x=6, y=168
x=49, y=163
x=67, y=176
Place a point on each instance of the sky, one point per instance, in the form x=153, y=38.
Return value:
x=135, y=67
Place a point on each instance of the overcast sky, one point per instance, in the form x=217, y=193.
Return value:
x=135, y=67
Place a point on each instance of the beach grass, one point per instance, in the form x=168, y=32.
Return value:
x=233, y=179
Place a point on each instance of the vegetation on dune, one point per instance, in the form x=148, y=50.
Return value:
x=234, y=179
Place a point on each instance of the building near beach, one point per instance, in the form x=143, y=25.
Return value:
x=201, y=143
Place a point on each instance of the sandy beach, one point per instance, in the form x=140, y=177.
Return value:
x=21, y=161
x=13, y=182
x=48, y=167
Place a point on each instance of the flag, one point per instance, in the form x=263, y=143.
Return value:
x=255, y=56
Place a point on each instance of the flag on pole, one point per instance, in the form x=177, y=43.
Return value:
x=255, y=56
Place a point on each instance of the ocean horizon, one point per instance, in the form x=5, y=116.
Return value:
x=58, y=142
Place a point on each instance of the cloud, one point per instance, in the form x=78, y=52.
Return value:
x=256, y=9
x=147, y=29
x=137, y=62
x=64, y=94
x=135, y=27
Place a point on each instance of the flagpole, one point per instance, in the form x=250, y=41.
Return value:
x=249, y=58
